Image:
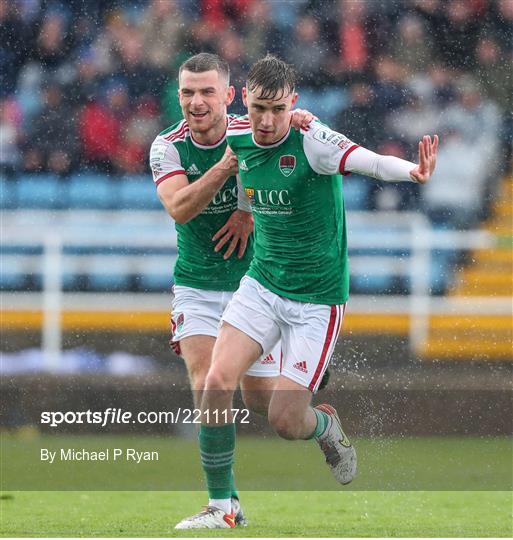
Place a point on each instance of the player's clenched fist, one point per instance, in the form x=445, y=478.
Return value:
x=427, y=159
x=228, y=162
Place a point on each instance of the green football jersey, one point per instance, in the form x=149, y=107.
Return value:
x=295, y=189
x=175, y=152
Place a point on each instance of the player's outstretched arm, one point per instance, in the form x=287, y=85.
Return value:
x=330, y=152
x=391, y=168
x=427, y=159
x=236, y=230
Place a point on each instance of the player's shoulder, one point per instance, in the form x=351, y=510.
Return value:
x=313, y=127
x=174, y=134
x=321, y=134
x=238, y=125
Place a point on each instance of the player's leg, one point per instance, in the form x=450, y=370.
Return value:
x=257, y=392
x=195, y=323
x=290, y=413
x=234, y=352
x=259, y=382
x=248, y=329
x=196, y=352
x=309, y=334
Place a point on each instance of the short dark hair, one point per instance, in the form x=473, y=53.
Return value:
x=199, y=63
x=272, y=76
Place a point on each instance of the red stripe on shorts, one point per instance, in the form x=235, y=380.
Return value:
x=327, y=343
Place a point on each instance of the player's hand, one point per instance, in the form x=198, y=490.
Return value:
x=236, y=230
x=301, y=119
x=228, y=163
x=427, y=159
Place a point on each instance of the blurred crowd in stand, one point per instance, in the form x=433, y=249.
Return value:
x=89, y=84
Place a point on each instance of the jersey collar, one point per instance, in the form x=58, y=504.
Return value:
x=213, y=145
x=272, y=145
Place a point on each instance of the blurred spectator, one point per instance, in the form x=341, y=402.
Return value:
x=220, y=13
x=163, y=32
x=391, y=92
x=137, y=138
x=502, y=24
x=101, y=125
x=413, y=49
x=495, y=80
x=454, y=196
x=458, y=33
x=231, y=47
x=259, y=31
x=52, y=44
x=141, y=79
x=12, y=46
x=383, y=72
x=10, y=134
x=414, y=120
x=360, y=121
x=308, y=53
x=51, y=143
x=354, y=51
x=475, y=118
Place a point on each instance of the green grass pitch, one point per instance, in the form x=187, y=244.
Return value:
x=419, y=501
x=270, y=514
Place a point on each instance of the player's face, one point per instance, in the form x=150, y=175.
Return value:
x=269, y=118
x=204, y=98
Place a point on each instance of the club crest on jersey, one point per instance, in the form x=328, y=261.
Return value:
x=250, y=192
x=287, y=164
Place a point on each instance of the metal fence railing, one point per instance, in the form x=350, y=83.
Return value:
x=380, y=236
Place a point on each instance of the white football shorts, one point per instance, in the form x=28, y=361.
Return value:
x=197, y=312
x=308, y=332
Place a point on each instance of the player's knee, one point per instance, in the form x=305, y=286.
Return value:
x=219, y=379
x=198, y=376
x=284, y=423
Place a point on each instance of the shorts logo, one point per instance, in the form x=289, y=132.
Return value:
x=179, y=322
x=301, y=366
x=287, y=164
x=268, y=360
x=250, y=192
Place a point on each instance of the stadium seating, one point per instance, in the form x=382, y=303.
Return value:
x=357, y=193
x=40, y=191
x=131, y=202
x=92, y=191
x=7, y=194
x=138, y=193
x=490, y=275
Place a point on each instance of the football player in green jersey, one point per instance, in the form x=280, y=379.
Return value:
x=195, y=175
x=296, y=287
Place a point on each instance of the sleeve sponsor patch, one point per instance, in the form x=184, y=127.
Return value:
x=344, y=143
x=327, y=136
x=157, y=154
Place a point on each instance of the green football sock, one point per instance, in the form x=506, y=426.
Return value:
x=217, y=444
x=235, y=493
x=322, y=423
